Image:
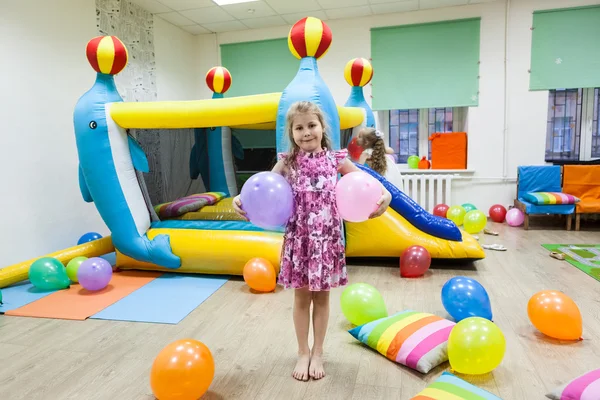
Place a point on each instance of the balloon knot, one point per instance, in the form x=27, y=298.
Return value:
x=580, y=338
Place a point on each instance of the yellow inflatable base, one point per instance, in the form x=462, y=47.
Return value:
x=226, y=252
x=20, y=272
x=391, y=234
x=212, y=252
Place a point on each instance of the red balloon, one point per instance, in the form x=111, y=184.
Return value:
x=440, y=210
x=497, y=213
x=414, y=262
x=354, y=149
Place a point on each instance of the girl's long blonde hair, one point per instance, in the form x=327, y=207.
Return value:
x=370, y=140
x=303, y=107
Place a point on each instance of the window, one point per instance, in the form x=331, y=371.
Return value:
x=563, y=130
x=404, y=133
x=572, y=128
x=440, y=120
x=409, y=130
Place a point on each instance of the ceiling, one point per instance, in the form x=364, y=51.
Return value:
x=204, y=16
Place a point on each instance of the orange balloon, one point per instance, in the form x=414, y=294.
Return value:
x=182, y=370
x=555, y=314
x=259, y=274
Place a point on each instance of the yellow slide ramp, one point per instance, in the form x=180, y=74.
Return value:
x=391, y=234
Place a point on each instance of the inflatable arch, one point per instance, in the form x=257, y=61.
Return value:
x=109, y=158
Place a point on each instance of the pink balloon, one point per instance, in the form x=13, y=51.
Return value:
x=514, y=217
x=414, y=262
x=357, y=194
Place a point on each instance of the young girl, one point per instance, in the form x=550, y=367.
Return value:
x=377, y=155
x=312, y=259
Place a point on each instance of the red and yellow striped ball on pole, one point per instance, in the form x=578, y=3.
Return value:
x=358, y=72
x=309, y=37
x=218, y=79
x=107, y=54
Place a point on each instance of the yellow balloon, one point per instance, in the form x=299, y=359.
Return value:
x=456, y=214
x=475, y=346
x=474, y=221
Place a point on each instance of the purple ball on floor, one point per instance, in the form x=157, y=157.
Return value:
x=94, y=274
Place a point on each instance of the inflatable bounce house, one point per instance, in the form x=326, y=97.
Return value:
x=213, y=240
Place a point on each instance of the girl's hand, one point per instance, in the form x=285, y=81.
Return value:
x=237, y=207
x=383, y=203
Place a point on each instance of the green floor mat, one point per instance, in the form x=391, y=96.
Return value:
x=585, y=257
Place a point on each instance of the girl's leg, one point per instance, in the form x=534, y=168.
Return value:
x=320, y=322
x=302, y=299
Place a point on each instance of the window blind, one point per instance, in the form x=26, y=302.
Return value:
x=565, y=50
x=264, y=66
x=426, y=65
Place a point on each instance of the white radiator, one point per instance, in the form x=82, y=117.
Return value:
x=428, y=190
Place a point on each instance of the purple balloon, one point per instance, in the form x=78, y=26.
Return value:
x=268, y=200
x=94, y=273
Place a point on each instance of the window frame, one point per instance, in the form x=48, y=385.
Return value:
x=459, y=124
x=586, y=128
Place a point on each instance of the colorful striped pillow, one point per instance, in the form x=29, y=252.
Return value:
x=585, y=387
x=187, y=204
x=417, y=340
x=545, y=198
x=450, y=387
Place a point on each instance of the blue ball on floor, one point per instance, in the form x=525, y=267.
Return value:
x=88, y=237
x=464, y=297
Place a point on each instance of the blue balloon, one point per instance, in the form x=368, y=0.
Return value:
x=88, y=237
x=464, y=297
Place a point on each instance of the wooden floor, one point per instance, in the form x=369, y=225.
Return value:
x=252, y=338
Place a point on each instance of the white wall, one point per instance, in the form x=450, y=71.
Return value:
x=495, y=165
x=175, y=57
x=43, y=73
x=207, y=56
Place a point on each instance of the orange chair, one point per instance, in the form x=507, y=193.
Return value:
x=583, y=181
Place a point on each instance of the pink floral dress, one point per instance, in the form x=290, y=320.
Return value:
x=313, y=249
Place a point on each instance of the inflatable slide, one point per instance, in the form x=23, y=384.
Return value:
x=213, y=240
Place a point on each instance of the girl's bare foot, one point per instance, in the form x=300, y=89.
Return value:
x=301, y=370
x=316, y=370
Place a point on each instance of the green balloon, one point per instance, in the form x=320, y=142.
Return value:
x=0, y=296
x=48, y=273
x=73, y=267
x=362, y=303
x=469, y=207
x=413, y=162
x=474, y=221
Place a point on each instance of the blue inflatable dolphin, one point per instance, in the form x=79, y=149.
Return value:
x=108, y=156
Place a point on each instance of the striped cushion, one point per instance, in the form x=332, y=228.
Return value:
x=417, y=340
x=585, y=387
x=450, y=387
x=186, y=204
x=544, y=198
